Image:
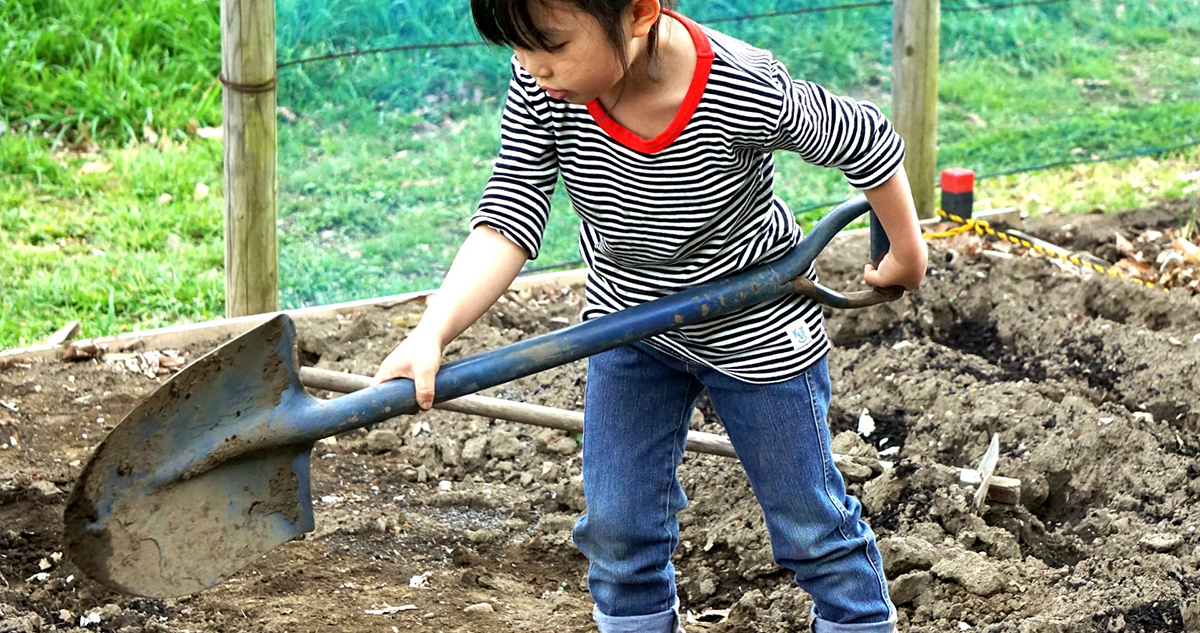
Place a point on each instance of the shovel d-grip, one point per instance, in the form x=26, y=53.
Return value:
x=211, y=470
x=824, y=296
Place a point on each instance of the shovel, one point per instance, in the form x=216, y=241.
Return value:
x=212, y=469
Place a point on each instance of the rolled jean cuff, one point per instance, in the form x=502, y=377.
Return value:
x=825, y=626
x=662, y=622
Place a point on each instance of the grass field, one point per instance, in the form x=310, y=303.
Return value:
x=101, y=218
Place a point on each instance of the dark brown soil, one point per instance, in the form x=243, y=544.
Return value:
x=1092, y=383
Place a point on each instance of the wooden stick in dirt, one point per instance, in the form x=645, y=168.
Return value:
x=1001, y=489
x=535, y=414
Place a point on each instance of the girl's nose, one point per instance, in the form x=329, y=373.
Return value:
x=535, y=64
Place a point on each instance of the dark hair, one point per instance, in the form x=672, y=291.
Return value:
x=509, y=23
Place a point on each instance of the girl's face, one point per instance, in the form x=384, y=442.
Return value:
x=581, y=64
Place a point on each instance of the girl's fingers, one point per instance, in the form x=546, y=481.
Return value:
x=390, y=369
x=424, y=380
x=871, y=276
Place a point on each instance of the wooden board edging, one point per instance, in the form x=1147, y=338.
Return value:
x=220, y=330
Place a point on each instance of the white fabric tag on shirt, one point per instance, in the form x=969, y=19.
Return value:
x=799, y=334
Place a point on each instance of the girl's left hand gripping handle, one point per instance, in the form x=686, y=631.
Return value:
x=825, y=296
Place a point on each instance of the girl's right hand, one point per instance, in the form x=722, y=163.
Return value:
x=417, y=357
x=484, y=267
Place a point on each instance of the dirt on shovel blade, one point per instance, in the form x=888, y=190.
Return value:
x=446, y=522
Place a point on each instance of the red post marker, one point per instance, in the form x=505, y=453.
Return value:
x=958, y=191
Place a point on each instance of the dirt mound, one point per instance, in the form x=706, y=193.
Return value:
x=455, y=523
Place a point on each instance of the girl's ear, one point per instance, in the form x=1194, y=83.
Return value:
x=644, y=14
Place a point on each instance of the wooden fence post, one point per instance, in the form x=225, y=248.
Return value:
x=915, y=25
x=249, y=78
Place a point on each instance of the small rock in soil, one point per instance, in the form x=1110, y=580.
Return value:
x=904, y=589
x=448, y=449
x=902, y=554
x=854, y=471
x=479, y=608
x=383, y=441
x=1161, y=543
x=882, y=490
x=852, y=444
x=973, y=572
x=479, y=537
x=46, y=488
x=504, y=445
x=31, y=623
x=473, y=450
x=555, y=444
x=552, y=523
x=1191, y=615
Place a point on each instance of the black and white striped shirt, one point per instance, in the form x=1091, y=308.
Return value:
x=695, y=203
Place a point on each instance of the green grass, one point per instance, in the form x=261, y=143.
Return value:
x=76, y=70
x=369, y=215
x=1085, y=188
x=108, y=247
x=389, y=152
x=844, y=50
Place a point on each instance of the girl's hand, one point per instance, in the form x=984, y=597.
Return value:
x=485, y=266
x=896, y=271
x=905, y=262
x=417, y=357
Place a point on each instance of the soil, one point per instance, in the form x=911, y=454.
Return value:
x=1090, y=382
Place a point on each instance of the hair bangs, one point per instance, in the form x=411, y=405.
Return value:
x=508, y=23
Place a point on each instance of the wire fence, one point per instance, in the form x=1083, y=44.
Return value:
x=390, y=112
x=716, y=20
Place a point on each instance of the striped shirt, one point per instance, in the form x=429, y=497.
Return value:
x=695, y=203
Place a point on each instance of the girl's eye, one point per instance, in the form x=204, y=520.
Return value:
x=554, y=48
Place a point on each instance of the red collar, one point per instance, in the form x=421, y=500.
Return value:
x=624, y=136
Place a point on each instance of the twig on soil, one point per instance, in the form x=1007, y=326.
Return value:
x=388, y=610
x=4, y=580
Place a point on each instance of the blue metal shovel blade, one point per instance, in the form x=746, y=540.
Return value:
x=212, y=469
x=191, y=486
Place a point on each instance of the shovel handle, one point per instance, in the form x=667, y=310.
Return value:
x=880, y=244
x=532, y=355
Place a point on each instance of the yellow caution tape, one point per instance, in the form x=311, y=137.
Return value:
x=958, y=230
x=982, y=227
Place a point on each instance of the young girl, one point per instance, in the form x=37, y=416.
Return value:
x=663, y=132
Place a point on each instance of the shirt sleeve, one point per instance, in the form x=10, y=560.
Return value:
x=516, y=200
x=833, y=131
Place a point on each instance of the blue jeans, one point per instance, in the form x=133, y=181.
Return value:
x=638, y=408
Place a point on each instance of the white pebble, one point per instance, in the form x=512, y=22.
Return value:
x=866, y=424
